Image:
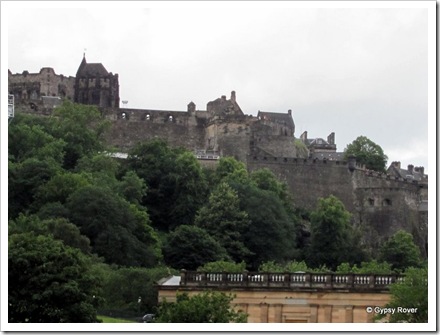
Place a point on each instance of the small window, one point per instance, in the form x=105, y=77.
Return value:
x=387, y=202
x=170, y=118
x=147, y=117
x=124, y=115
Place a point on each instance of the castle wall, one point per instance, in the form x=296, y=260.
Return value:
x=380, y=205
x=32, y=86
x=309, y=179
x=131, y=126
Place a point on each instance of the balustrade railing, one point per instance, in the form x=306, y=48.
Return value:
x=293, y=280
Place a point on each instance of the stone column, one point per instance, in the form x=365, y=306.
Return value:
x=327, y=313
x=313, y=313
x=348, y=314
x=264, y=308
x=278, y=309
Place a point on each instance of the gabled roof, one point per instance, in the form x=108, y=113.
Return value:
x=91, y=69
x=281, y=118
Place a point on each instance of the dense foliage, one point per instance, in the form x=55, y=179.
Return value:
x=367, y=153
x=411, y=293
x=83, y=224
x=207, y=307
x=49, y=281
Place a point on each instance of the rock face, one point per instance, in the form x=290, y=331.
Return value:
x=380, y=204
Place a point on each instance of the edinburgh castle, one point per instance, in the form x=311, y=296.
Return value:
x=380, y=203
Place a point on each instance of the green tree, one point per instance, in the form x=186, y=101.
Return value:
x=132, y=187
x=49, y=282
x=400, y=251
x=206, y=307
x=229, y=169
x=189, y=247
x=130, y=290
x=271, y=232
x=223, y=266
x=60, y=187
x=368, y=153
x=176, y=184
x=59, y=228
x=371, y=267
x=24, y=180
x=331, y=235
x=82, y=128
x=189, y=188
x=28, y=139
x=111, y=223
x=223, y=220
x=412, y=292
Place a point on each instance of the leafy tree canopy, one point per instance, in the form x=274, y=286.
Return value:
x=400, y=251
x=271, y=233
x=207, y=307
x=223, y=220
x=368, y=153
x=372, y=267
x=223, y=266
x=331, y=234
x=189, y=247
x=49, y=282
x=176, y=184
x=111, y=223
x=412, y=292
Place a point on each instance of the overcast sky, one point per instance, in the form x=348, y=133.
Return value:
x=352, y=71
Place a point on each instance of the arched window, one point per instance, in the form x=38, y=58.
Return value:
x=170, y=118
x=147, y=117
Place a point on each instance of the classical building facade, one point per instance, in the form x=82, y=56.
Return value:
x=290, y=297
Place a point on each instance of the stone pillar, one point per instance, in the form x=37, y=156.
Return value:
x=348, y=314
x=313, y=313
x=278, y=309
x=327, y=313
x=264, y=308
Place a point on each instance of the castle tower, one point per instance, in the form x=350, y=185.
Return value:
x=95, y=86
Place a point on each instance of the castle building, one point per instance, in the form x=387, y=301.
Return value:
x=31, y=87
x=94, y=85
x=381, y=204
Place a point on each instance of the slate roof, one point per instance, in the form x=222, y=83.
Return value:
x=279, y=118
x=332, y=156
x=91, y=69
x=403, y=173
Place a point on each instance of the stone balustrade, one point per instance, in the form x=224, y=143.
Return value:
x=298, y=280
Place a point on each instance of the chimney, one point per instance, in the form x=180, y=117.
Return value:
x=233, y=96
x=223, y=98
x=289, y=112
x=304, y=136
x=396, y=165
x=331, y=138
x=411, y=169
x=421, y=169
